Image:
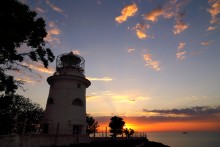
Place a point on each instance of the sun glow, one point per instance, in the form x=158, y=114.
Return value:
x=165, y=126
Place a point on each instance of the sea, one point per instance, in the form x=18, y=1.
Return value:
x=186, y=139
x=179, y=139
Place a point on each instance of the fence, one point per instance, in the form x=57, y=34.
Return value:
x=40, y=140
x=107, y=134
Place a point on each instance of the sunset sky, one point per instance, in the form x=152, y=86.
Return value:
x=155, y=63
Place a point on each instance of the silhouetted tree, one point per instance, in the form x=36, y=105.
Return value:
x=92, y=125
x=17, y=111
x=20, y=26
x=116, y=124
x=128, y=132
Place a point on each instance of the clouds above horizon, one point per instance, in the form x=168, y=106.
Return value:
x=180, y=55
x=112, y=101
x=52, y=34
x=195, y=114
x=54, y=7
x=77, y=52
x=206, y=43
x=105, y=79
x=40, y=68
x=214, y=10
x=129, y=50
x=32, y=79
x=153, y=15
x=150, y=62
x=191, y=113
x=141, y=30
x=171, y=9
x=126, y=12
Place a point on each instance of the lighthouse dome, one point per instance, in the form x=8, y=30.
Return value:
x=70, y=64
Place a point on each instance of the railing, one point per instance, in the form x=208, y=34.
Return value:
x=104, y=134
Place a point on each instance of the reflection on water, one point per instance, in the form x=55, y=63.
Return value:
x=189, y=139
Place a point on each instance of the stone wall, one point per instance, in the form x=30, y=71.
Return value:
x=41, y=140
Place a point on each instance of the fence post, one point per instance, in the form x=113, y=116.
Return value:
x=56, y=133
x=23, y=131
x=106, y=132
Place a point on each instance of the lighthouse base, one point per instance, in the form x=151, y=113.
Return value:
x=39, y=140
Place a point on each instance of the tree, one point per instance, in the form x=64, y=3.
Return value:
x=17, y=111
x=116, y=124
x=20, y=26
x=92, y=125
x=128, y=132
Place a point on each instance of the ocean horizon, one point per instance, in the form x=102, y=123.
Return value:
x=187, y=139
x=178, y=138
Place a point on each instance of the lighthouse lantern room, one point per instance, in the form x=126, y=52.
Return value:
x=65, y=111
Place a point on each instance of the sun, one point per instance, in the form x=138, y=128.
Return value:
x=128, y=126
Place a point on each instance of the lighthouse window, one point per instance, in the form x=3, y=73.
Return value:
x=50, y=101
x=77, y=102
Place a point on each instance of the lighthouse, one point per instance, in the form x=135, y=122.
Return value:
x=65, y=111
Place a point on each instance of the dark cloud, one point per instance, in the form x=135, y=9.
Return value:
x=195, y=114
x=198, y=110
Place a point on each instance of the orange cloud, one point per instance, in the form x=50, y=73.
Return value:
x=54, y=7
x=179, y=27
x=29, y=79
x=206, y=43
x=180, y=55
x=130, y=50
x=211, y=28
x=153, y=15
x=77, y=52
x=43, y=69
x=141, y=34
x=39, y=10
x=105, y=79
x=181, y=45
x=91, y=97
x=127, y=11
x=214, y=10
x=173, y=9
x=52, y=33
x=24, y=77
x=169, y=10
x=129, y=99
x=141, y=30
x=40, y=68
x=151, y=63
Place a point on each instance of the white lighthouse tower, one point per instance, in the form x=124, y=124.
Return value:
x=66, y=104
